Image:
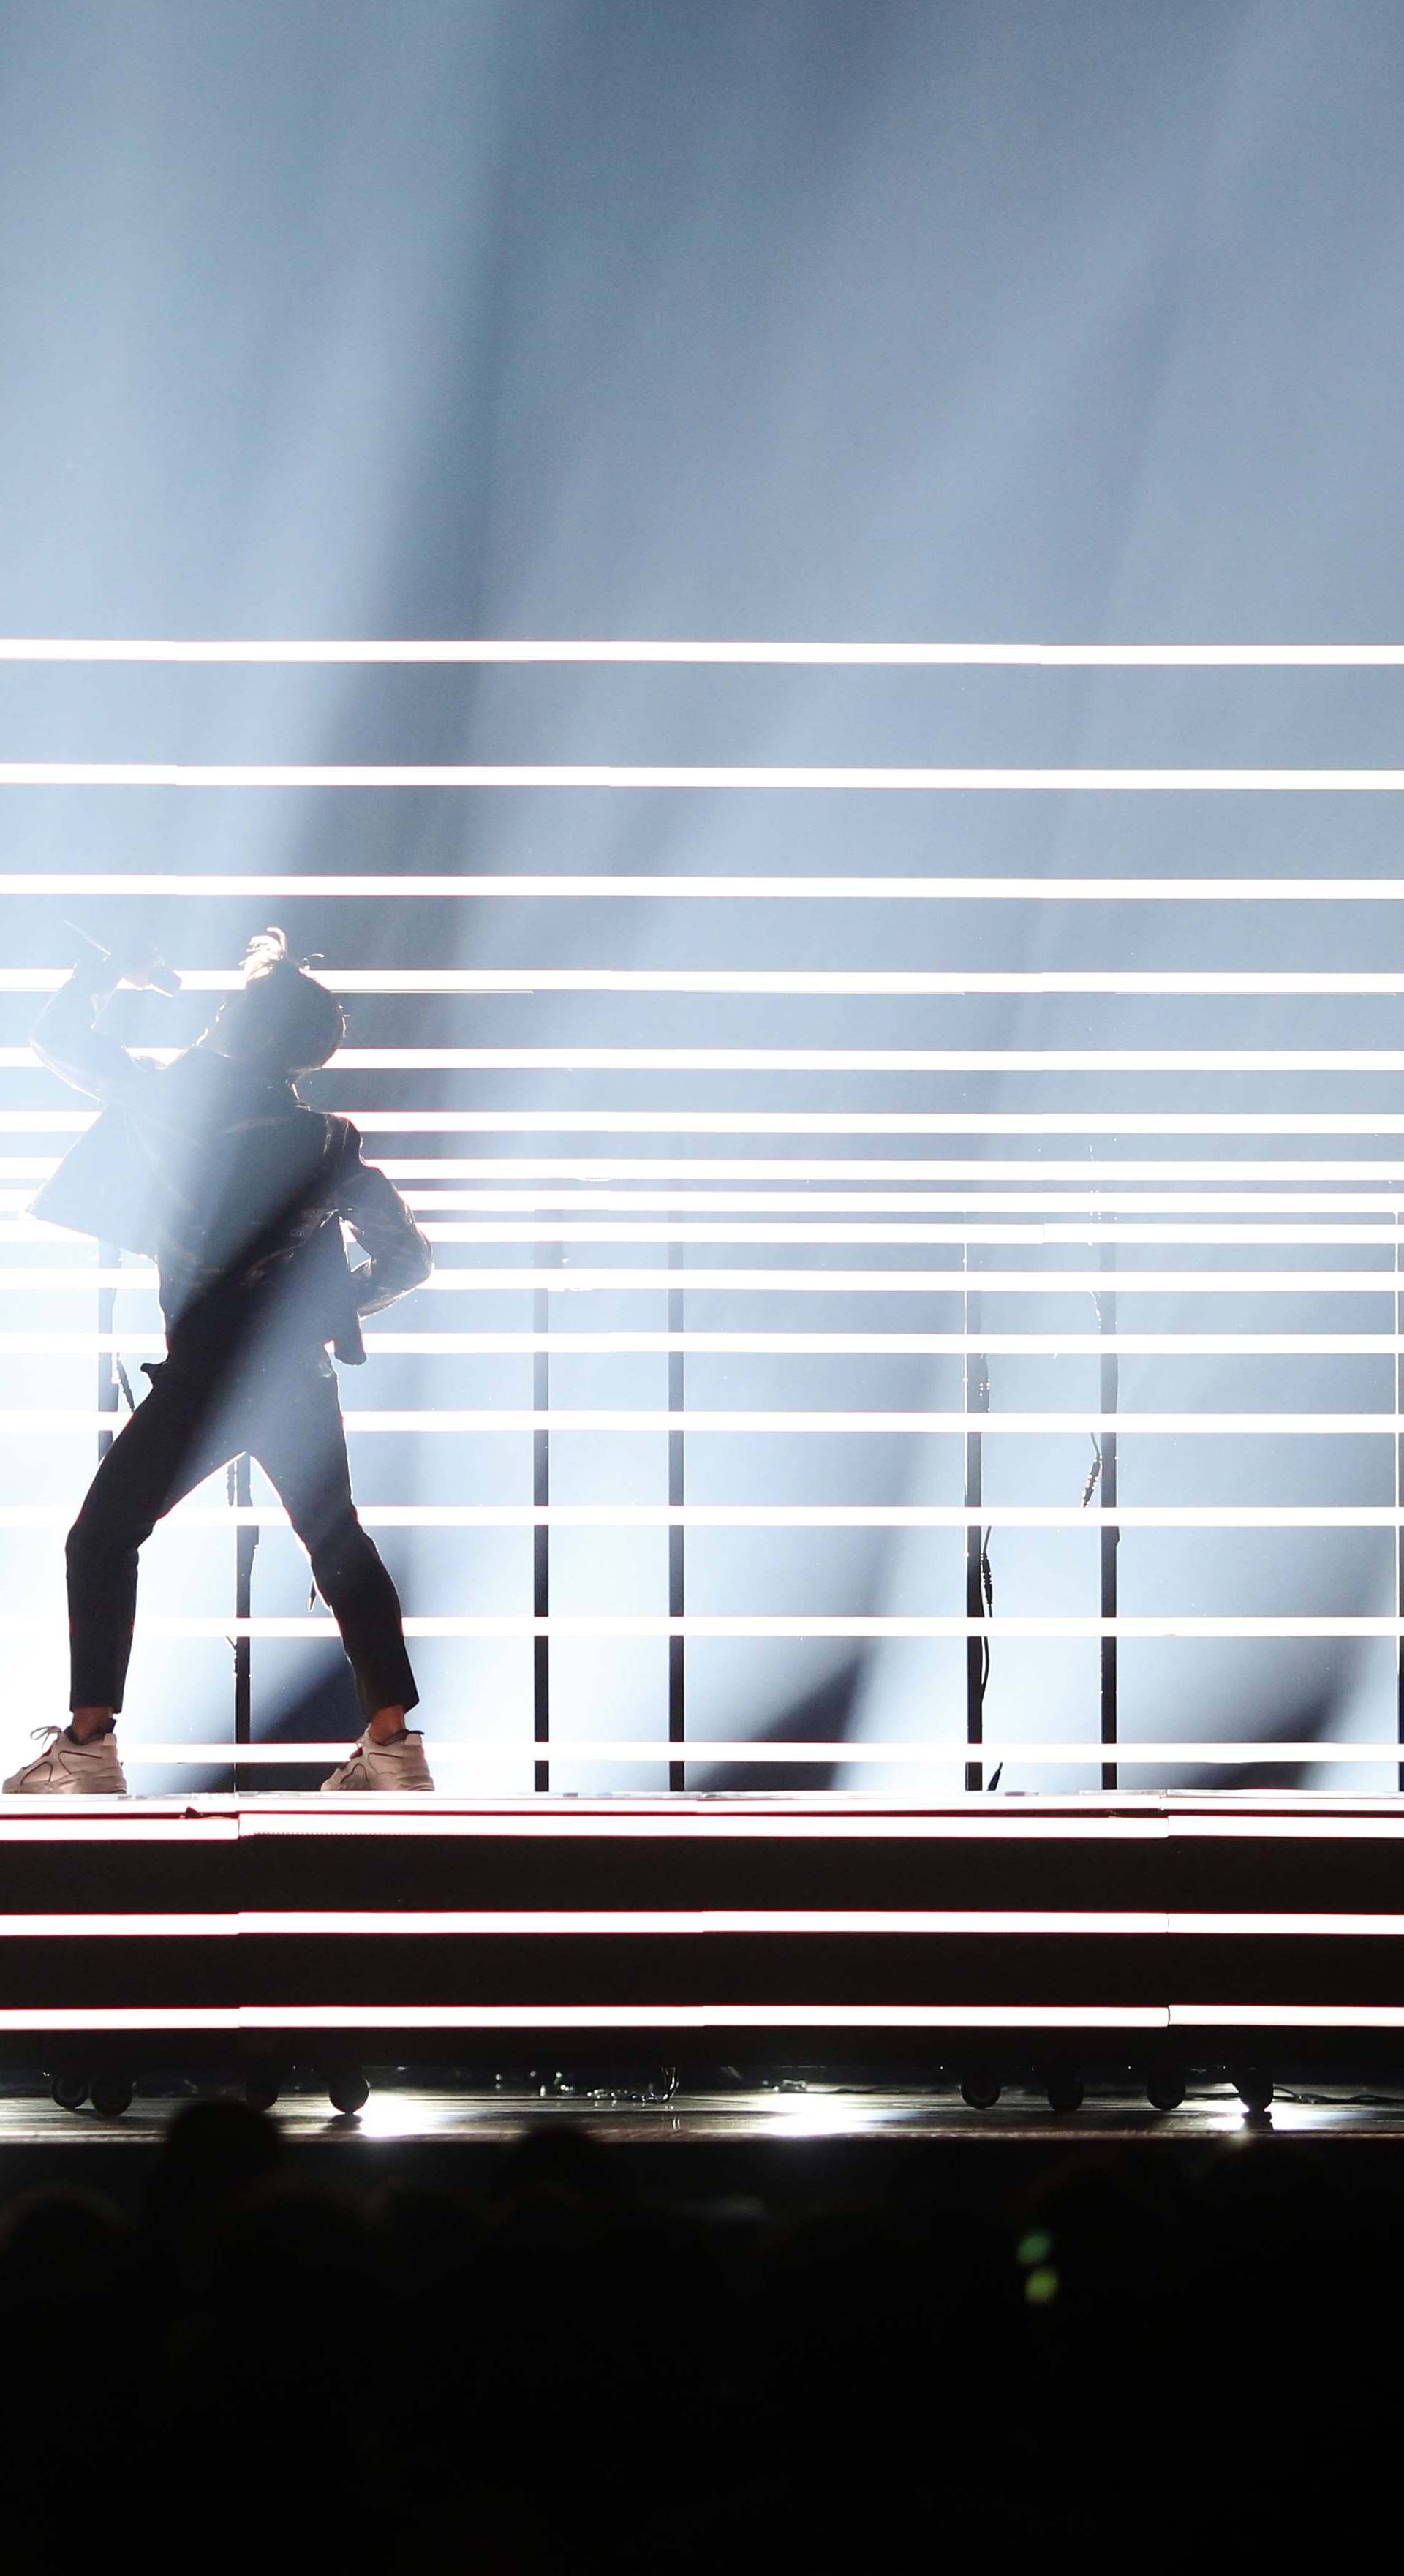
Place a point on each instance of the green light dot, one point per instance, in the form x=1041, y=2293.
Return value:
x=1041, y=2287
x=1034, y=2248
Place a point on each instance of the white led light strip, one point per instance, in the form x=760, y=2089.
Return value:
x=234, y=2018
x=754, y=1516
x=474, y=1280
x=491, y=1170
x=1050, y=1060
x=712, y=778
x=311, y=1630
x=41, y=1421
x=989, y=1202
x=820, y=1122
x=722, y=890
x=740, y=982
x=694, y=889
x=971, y=1231
x=480, y=1756
x=643, y=1345
x=845, y=1815
x=702, y=1923
x=97, y=2018
x=1006, y=1233
x=720, y=651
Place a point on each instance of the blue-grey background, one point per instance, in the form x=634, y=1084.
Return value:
x=773, y=318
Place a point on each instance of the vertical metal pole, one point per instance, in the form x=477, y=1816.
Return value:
x=109, y=1258
x=1398, y=1531
x=1110, y=1536
x=1397, y=1528
x=976, y=1400
x=541, y=1536
x=677, y=1537
x=240, y=1489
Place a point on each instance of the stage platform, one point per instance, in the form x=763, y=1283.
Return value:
x=1005, y=1935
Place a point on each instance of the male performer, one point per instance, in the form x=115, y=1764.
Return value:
x=216, y=1166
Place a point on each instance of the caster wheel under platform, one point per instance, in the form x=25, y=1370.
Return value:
x=348, y=2090
x=111, y=2095
x=1165, y=2088
x=263, y=2084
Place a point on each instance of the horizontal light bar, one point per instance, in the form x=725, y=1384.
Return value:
x=820, y=1122
x=755, y=1516
x=491, y=1170
x=971, y=1231
x=310, y=1630
x=709, y=777
x=229, y=2018
x=622, y=887
x=987, y=1202
x=699, y=1923
x=920, y=1755
x=741, y=981
x=737, y=652
x=464, y=1278
x=823, y=1122
x=99, y=2019
x=828, y=1816
x=629, y=1815
x=702, y=1923
x=594, y=1059
x=43, y=1420
x=959, y=1060
x=643, y=1345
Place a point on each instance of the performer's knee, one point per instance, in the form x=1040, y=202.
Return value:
x=341, y=1555
x=97, y=1538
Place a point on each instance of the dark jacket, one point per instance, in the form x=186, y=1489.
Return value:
x=237, y=1188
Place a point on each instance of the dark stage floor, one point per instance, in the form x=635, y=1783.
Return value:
x=416, y=2114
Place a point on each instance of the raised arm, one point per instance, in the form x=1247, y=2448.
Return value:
x=68, y=1040
x=400, y=1257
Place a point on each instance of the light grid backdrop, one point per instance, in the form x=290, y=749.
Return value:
x=1042, y=976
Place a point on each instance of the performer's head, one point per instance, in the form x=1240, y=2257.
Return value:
x=281, y=1020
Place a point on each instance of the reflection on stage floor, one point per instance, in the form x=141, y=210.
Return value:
x=412, y=2112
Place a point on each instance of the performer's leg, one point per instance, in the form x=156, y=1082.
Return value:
x=301, y=1446
x=177, y=1436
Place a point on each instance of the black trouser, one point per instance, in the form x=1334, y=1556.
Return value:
x=199, y=1414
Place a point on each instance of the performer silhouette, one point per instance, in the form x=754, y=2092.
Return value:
x=215, y=1166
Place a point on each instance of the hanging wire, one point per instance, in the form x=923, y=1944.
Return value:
x=1094, y=1472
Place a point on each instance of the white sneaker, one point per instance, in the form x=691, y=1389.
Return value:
x=397, y=1765
x=68, y=1770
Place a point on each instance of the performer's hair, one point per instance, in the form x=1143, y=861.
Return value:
x=283, y=1017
